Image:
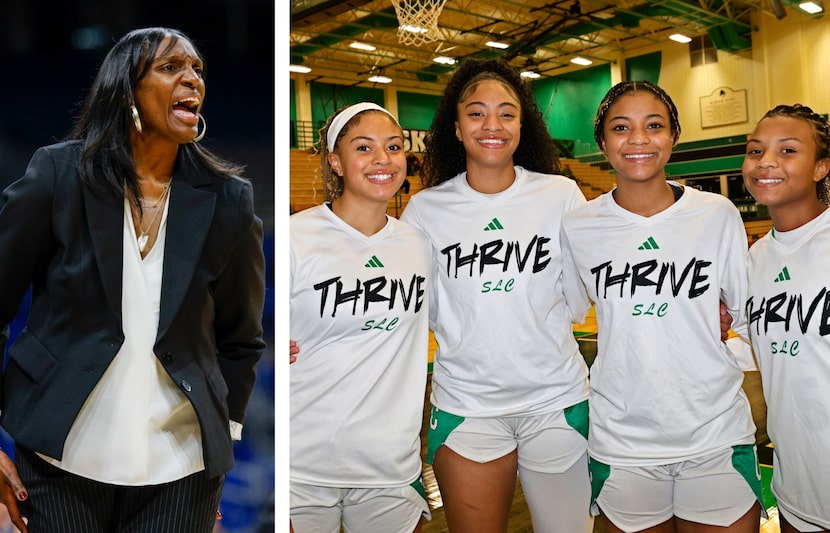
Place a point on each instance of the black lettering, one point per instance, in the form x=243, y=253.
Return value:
x=597, y=272
x=487, y=257
x=804, y=322
x=639, y=275
x=824, y=327
x=619, y=279
x=415, y=289
x=344, y=297
x=677, y=284
x=699, y=277
x=771, y=314
x=522, y=260
x=538, y=264
x=324, y=287
x=661, y=279
x=371, y=291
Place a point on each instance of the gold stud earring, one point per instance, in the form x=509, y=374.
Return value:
x=136, y=118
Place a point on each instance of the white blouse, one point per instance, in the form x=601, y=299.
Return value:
x=136, y=428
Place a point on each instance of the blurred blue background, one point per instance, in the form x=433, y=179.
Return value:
x=49, y=61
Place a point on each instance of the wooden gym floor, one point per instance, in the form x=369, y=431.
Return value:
x=520, y=522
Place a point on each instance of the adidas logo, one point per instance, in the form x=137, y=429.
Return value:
x=784, y=275
x=374, y=262
x=493, y=225
x=650, y=244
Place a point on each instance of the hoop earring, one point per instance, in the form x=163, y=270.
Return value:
x=136, y=118
x=200, y=136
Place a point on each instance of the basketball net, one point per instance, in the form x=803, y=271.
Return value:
x=418, y=20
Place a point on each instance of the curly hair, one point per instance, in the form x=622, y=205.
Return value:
x=625, y=87
x=822, y=137
x=445, y=157
x=333, y=182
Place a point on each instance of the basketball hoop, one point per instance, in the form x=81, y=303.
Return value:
x=418, y=20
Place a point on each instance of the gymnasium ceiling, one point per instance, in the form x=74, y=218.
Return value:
x=542, y=35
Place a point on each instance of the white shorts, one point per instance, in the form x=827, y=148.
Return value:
x=325, y=509
x=715, y=489
x=796, y=522
x=548, y=443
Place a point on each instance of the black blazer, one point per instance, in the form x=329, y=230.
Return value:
x=64, y=239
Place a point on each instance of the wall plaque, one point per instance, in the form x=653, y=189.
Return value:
x=724, y=106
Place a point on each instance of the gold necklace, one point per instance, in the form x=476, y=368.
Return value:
x=143, y=237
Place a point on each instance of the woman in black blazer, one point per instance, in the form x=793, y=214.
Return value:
x=144, y=257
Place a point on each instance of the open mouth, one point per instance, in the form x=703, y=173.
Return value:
x=188, y=105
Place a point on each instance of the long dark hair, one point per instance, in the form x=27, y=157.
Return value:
x=105, y=120
x=445, y=157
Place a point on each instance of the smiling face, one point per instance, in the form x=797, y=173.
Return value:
x=370, y=158
x=170, y=95
x=781, y=167
x=489, y=125
x=637, y=138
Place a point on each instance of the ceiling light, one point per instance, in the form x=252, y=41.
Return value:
x=444, y=60
x=496, y=44
x=299, y=68
x=380, y=79
x=530, y=74
x=810, y=7
x=413, y=29
x=362, y=46
x=604, y=15
x=581, y=61
x=680, y=38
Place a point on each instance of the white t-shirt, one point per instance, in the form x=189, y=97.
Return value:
x=359, y=314
x=788, y=314
x=505, y=340
x=664, y=387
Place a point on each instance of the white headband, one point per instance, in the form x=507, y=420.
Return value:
x=346, y=115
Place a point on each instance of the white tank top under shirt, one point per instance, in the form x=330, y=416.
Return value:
x=136, y=427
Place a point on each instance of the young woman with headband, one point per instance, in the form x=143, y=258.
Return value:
x=359, y=328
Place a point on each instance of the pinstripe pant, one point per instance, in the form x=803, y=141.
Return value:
x=60, y=502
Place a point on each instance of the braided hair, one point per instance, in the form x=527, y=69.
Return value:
x=445, y=157
x=625, y=87
x=822, y=136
